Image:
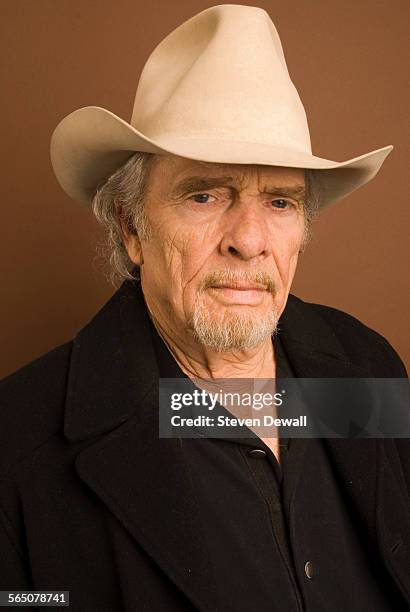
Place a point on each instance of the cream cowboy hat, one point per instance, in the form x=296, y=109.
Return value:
x=216, y=89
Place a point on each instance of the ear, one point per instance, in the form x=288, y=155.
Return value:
x=131, y=242
x=133, y=247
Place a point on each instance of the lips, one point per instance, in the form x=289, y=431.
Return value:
x=241, y=287
x=239, y=294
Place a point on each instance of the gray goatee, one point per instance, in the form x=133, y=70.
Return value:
x=232, y=330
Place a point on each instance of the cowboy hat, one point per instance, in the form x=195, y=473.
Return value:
x=216, y=89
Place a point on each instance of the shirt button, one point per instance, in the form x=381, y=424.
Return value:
x=258, y=453
x=309, y=570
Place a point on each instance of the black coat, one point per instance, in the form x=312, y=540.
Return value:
x=93, y=502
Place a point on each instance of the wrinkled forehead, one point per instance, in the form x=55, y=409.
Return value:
x=174, y=169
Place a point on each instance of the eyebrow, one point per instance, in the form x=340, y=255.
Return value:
x=200, y=183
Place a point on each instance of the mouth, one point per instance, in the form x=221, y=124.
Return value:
x=239, y=293
x=240, y=287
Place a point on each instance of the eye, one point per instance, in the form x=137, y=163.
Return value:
x=201, y=198
x=281, y=203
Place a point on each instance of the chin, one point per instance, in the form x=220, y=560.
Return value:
x=232, y=327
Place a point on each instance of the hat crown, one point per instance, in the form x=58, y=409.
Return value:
x=221, y=74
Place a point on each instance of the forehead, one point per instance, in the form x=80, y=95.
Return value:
x=173, y=169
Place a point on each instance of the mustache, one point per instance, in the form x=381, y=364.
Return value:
x=232, y=276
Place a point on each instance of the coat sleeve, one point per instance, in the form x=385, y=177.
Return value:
x=31, y=408
x=14, y=570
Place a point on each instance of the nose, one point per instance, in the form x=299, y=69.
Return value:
x=246, y=235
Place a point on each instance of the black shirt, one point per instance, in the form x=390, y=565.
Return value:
x=280, y=536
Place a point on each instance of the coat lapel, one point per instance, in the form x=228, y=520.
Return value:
x=112, y=396
x=143, y=481
x=315, y=352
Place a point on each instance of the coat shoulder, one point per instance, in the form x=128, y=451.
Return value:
x=32, y=405
x=363, y=345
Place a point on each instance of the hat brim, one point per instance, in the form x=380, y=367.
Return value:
x=91, y=143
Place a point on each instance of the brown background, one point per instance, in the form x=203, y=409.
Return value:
x=348, y=59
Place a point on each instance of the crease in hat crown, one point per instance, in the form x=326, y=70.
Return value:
x=223, y=55
x=215, y=89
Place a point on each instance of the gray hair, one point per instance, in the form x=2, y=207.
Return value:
x=121, y=199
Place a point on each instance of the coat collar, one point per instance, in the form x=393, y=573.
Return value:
x=112, y=394
x=114, y=354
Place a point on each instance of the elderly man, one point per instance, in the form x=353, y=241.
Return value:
x=207, y=197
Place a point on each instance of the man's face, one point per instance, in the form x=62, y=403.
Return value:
x=216, y=227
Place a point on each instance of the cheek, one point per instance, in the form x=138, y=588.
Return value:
x=287, y=252
x=180, y=251
x=185, y=256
